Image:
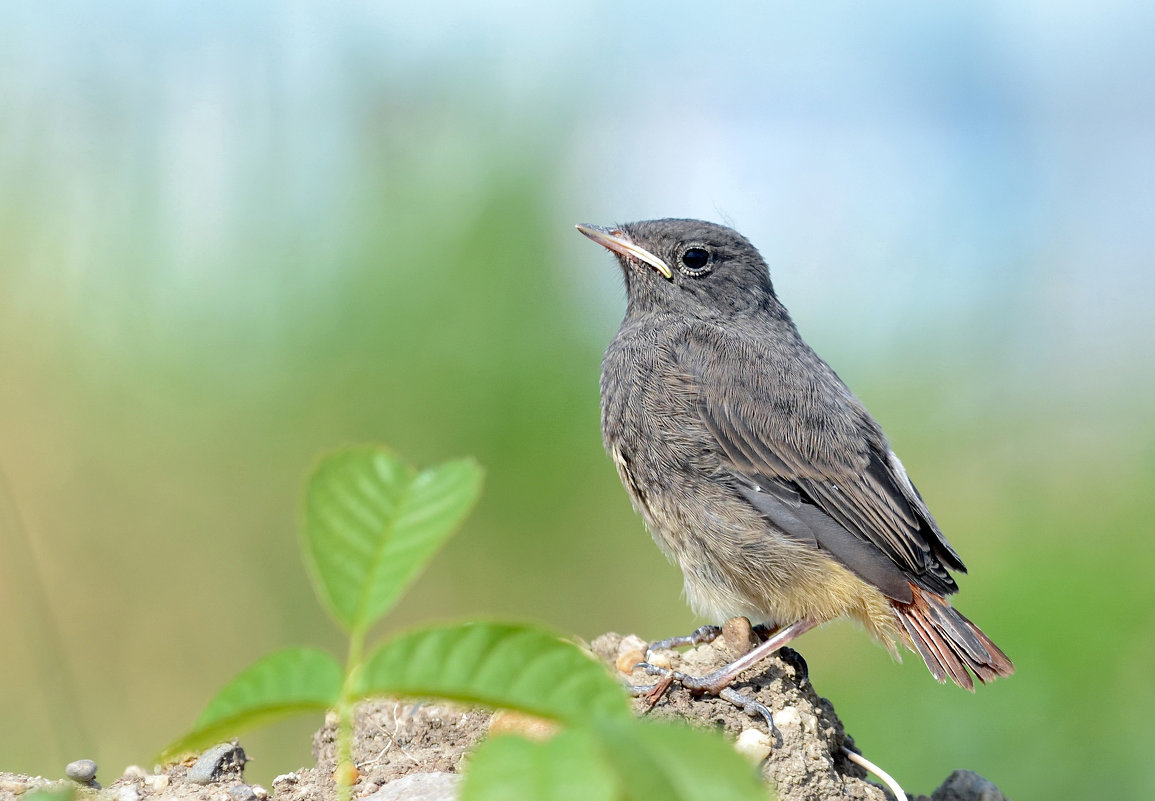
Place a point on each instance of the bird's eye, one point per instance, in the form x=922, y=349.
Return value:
x=695, y=261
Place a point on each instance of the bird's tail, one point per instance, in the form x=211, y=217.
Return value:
x=949, y=643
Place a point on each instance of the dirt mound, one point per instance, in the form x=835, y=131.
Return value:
x=415, y=751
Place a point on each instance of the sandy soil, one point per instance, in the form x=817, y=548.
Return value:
x=407, y=750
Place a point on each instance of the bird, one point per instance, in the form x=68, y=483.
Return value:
x=757, y=470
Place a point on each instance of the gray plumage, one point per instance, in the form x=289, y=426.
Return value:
x=754, y=466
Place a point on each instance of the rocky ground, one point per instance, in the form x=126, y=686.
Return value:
x=415, y=751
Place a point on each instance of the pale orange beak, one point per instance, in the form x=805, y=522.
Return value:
x=615, y=240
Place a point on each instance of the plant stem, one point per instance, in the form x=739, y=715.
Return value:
x=345, y=774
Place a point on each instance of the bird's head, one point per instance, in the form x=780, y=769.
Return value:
x=699, y=268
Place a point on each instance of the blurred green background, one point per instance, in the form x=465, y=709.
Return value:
x=234, y=236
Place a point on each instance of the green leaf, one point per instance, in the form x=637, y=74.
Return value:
x=503, y=665
x=372, y=523
x=676, y=762
x=61, y=791
x=283, y=683
x=568, y=767
x=618, y=760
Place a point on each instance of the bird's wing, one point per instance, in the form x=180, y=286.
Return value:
x=807, y=455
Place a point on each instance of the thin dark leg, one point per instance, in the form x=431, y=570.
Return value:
x=714, y=682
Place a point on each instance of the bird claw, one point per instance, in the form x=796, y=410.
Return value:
x=699, y=685
x=700, y=635
x=752, y=708
x=795, y=661
x=654, y=692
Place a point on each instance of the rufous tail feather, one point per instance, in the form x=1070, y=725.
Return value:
x=949, y=643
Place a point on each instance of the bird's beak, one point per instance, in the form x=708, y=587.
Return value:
x=616, y=241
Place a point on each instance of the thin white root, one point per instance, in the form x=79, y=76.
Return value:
x=887, y=779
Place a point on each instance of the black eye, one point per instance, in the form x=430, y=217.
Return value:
x=695, y=261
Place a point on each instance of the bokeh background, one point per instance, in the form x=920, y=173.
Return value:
x=236, y=235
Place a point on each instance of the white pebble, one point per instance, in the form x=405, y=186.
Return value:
x=82, y=770
x=753, y=744
x=788, y=718
x=659, y=659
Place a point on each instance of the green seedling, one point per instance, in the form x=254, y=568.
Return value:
x=370, y=525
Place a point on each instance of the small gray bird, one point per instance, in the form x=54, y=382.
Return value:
x=757, y=470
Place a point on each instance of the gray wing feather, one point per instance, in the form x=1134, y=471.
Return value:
x=806, y=454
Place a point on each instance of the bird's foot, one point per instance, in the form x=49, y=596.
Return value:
x=700, y=636
x=700, y=685
x=710, y=684
x=732, y=632
x=718, y=683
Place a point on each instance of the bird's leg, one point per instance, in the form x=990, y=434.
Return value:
x=717, y=683
x=703, y=634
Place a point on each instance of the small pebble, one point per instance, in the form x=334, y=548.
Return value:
x=260, y=792
x=660, y=659
x=82, y=771
x=788, y=718
x=738, y=636
x=220, y=761
x=628, y=659
x=128, y=792
x=753, y=744
x=134, y=772
x=156, y=783
x=286, y=778
x=424, y=786
x=242, y=792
